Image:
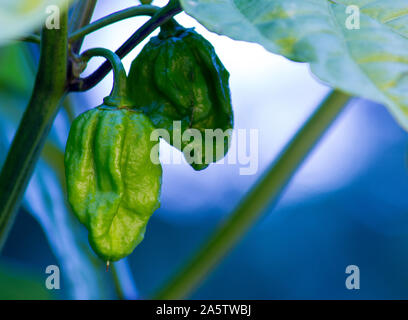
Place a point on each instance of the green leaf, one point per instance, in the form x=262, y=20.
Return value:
x=14, y=70
x=17, y=283
x=370, y=62
x=20, y=17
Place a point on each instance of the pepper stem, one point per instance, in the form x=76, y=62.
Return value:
x=117, y=97
x=170, y=29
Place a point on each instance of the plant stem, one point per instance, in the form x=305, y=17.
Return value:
x=33, y=38
x=265, y=193
x=141, y=10
x=81, y=16
x=117, y=97
x=162, y=16
x=123, y=280
x=35, y=125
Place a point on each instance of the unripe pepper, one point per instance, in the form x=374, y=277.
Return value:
x=112, y=172
x=178, y=77
x=113, y=186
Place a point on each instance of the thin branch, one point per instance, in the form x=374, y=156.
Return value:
x=161, y=17
x=265, y=193
x=124, y=281
x=81, y=16
x=117, y=97
x=32, y=38
x=141, y=10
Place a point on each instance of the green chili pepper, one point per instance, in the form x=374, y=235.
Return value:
x=112, y=170
x=178, y=77
x=113, y=185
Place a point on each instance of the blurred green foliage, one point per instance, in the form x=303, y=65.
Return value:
x=18, y=284
x=45, y=196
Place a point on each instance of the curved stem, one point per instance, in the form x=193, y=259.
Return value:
x=265, y=193
x=118, y=93
x=162, y=16
x=35, y=125
x=141, y=10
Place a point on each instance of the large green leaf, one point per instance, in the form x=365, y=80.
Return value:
x=370, y=62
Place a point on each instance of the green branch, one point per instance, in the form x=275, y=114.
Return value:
x=265, y=193
x=141, y=10
x=159, y=18
x=81, y=16
x=117, y=97
x=33, y=38
x=35, y=125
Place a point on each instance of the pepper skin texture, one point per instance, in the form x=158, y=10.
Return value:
x=113, y=185
x=178, y=77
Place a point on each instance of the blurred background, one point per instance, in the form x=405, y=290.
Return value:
x=347, y=205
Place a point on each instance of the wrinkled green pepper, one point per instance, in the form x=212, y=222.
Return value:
x=178, y=77
x=113, y=185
